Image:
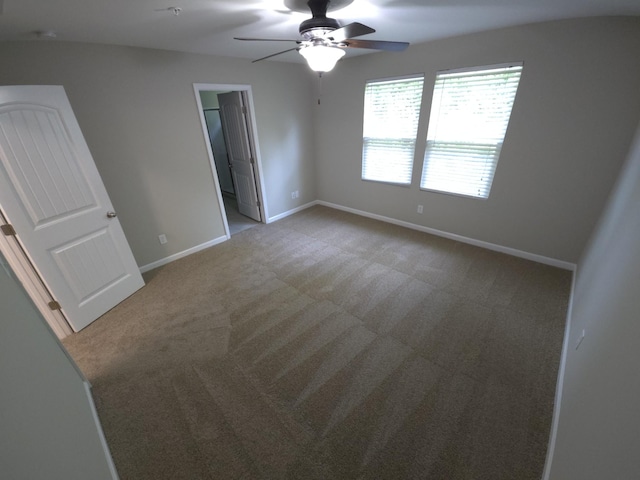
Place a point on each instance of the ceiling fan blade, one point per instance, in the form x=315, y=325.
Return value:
x=266, y=39
x=354, y=29
x=377, y=45
x=274, y=54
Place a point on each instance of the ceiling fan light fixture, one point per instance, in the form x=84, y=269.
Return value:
x=322, y=58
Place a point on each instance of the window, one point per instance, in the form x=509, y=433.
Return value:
x=391, y=112
x=469, y=116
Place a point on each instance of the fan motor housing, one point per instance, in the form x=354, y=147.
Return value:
x=319, y=23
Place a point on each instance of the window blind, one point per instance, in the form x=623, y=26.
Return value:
x=469, y=116
x=390, y=126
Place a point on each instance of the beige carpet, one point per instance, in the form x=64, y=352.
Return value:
x=331, y=346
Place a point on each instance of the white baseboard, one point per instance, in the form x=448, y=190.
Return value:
x=280, y=216
x=452, y=236
x=216, y=241
x=559, y=385
x=103, y=440
x=184, y=253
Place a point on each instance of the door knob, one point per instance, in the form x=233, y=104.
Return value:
x=111, y=215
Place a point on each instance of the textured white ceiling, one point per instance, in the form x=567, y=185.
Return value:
x=208, y=26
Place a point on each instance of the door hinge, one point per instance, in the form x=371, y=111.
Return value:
x=258, y=203
x=8, y=230
x=244, y=109
x=53, y=305
x=252, y=161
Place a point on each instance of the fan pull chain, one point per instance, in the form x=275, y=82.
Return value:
x=319, y=86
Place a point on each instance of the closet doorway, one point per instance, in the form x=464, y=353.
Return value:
x=229, y=128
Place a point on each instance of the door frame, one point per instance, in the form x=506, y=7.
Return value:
x=252, y=130
x=33, y=284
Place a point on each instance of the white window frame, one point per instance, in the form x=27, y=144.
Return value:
x=464, y=144
x=386, y=131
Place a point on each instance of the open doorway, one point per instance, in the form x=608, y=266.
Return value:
x=229, y=127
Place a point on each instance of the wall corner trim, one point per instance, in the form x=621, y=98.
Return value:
x=559, y=385
x=103, y=440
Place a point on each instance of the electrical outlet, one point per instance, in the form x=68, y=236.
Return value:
x=297, y=194
x=162, y=238
x=419, y=208
x=294, y=194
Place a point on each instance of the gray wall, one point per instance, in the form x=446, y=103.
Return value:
x=599, y=424
x=573, y=120
x=138, y=112
x=47, y=428
x=574, y=116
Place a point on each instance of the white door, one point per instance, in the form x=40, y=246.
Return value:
x=52, y=194
x=234, y=126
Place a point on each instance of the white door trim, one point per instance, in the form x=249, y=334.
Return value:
x=33, y=284
x=252, y=131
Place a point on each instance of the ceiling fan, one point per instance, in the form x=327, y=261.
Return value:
x=324, y=41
